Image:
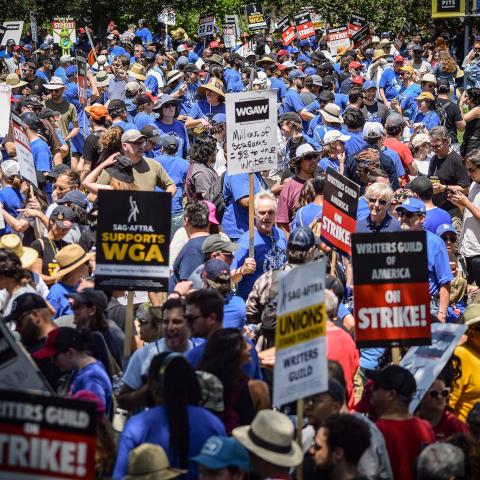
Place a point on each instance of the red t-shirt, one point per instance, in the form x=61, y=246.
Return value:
x=404, y=440
x=449, y=424
x=342, y=348
x=288, y=199
x=403, y=152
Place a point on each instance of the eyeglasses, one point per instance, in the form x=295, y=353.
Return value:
x=143, y=322
x=404, y=213
x=444, y=393
x=450, y=238
x=192, y=318
x=60, y=188
x=375, y=200
x=470, y=170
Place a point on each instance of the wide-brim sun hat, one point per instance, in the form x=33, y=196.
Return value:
x=214, y=85
x=137, y=71
x=12, y=242
x=71, y=257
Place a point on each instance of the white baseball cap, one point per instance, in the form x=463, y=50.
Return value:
x=335, y=136
x=10, y=168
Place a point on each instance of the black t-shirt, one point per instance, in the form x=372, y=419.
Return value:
x=91, y=150
x=450, y=170
x=452, y=115
x=47, y=250
x=375, y=113
x=88, y=239
x=36, y=86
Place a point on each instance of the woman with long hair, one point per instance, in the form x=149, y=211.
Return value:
x=446, y=67
x=471, y=136
x=174, y=420
x=226, y=353
x=310, y=203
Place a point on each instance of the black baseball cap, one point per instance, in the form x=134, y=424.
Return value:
x=63, y=216
x=57, y=170
x=421, y=185
x=326, y=96
x=290, y=116
x=116, y=105
x=122, y=169
x=90, y=296
x=302, y=239
x=152, y=133
x=23, y=304
x=395, y=377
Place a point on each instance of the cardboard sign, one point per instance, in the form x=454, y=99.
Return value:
x=33, y=27
x=355, y=24
x=287, y=31
x=47, y=437
x=448, y=8
x=427, y=361
x=229, y=37
x=339, y=217
x=167, y=16
x=64, y=33
x=391, y=298
x=300, y=338
x=234, y=19
x=304, y=25
x=251, y=131
x=255, y=16
x=82, y=77
x=24, y=152
x=5, y=106
x=362, y=39
x=337, y=38
x=13, y=31
x=133, y=235
x=17, y=369
x=206, y=24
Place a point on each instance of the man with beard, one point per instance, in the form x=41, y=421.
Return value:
x=411, y=214
x=33, y=322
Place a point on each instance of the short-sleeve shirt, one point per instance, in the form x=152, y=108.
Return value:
x=390, y=83
x=388, y=224
x=435, y=217
x=430, y=120
x=42, y=157
x=176, y=168
x=176, y=129
x=200, y=178
x=91, y=149
x=288, y=199
x=452, y=115
x=375, y=113
x=68, y=114
x=202, y=109
x=11, y=199
x=403, y=151
x=439, y=272
x=47, y=250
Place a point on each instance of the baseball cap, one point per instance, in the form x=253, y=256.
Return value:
x=71, y=70
x=60, y=340
x=47, y=113
x=66, y=59
x=191, y=68
x=282, y=52
x=132, y=87
x=443, y=83
x=23, y=304
x=10, y=168
x=116, y=105
x=90, y=296
x=425, y=96
x=354, y=64
x=399, y=59
x=132, y=135
x=316, y=80
x=304, y=43
x=122, y=169
x=444, y=228
x=369, y=84
x=372, y=130
x=421, y=185
x=407, y=69
x=222, y=452
x=168, y=141
x=395, y=377
x=76, y=197
x=212, y=212
x=44, y=46
x=151, y=133
x=310, y=71
x=420, y=139
x=12, y=42
x=326, y=96
x=63, y=216
x=97, y=112
x=296, y=74
x=302, y=239
x=358, y=79
x=417, y=48
x=57, y=170
x=290, y=116
x=394, y=120
x=412, y=205
x=430, y=78
x=219, y=243
x=216, y=270
x=335, y=136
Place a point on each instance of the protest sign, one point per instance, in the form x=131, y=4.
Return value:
x=234, y=19
x=17, y=369
x=33, y=27
x=317, y=20
x=391, y=298
x=251, y=131
x=337, y=38
x=355, y=23
x=255, y=16
x=229, y=36
x=24, y=152
x=339, y=217
x=133, y=234
x=448, y=8
x=206, y=24
x=362, y=39
x=64, y=33
x=304, y=25
x=46, y=437
x=82, y=77
x=13, y=31
x=427, y=361
x=5, y=106
x=287, y=31
x=167, y=16
x=300, y=338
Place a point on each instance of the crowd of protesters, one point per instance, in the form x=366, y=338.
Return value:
x=194, y=399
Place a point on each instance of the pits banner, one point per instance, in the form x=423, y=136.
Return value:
x=391, y=296
x=133, y=237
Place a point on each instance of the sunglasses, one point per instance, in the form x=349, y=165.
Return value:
x=59, y=187
x=439, y=393
x=375, y=200
x=404, y=213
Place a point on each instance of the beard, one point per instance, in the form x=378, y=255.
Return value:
x=327, y=467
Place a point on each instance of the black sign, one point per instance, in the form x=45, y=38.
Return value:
x=357, y=20
x=133, y=237
x=255, y=16
x=283, y=24
x=447, y=6
x=252, y=110
x=362, y=39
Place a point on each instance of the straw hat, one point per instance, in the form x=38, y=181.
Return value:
x=214, y=85
x=331, y=113
x=270, y=437
x=173, y=76
x=12, y=242
x=379, y=54
x=14, y=81
x=71, y=257
x=137, y=71
x=150, y=462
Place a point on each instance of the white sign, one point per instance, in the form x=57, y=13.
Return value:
x=5, y=95
x=167, y=16
x=24, y=152
x=251, y=131
x=234, y=19
x=301, y=344
x=229, y=35
x=61, y=26
x=206, y=25
x=337, y=38
x=33, y=27
x=13, y=31
x=425, y=362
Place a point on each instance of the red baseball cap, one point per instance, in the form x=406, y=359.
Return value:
x=354, y=64
x=60, y=340
x=213, y=44
x=280, y=66
x=81, y=30
x=358, y=80
x=399, y=59
x=282, y=52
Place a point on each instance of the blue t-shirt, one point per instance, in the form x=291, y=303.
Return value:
x=406, y=99
x=390, y=83
x=176, y=129
x=231, y=76
x=396, y=160
x=234, y=312
x=279, y=85
x=306, y=215
x=60, y=72
x=177, y=169
x=293, y=103
x=151, y=84
x=362, y=208
x=143, y=119
x=435, y=217
x=326, y=162
x=430, y=120
x=202, y=109
x=188, y=99
x=125, y=125
x=189, y=258
x=57, y=299
x=388, y=224
x=236, y=187
x=11, y=200
x=355, y=143
x=151, y=426
x=42, y=157
x=439, y=272
x=269, y=254
x=145, y=34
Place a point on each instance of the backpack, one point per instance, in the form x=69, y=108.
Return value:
x=215, y=195
x=442, y=112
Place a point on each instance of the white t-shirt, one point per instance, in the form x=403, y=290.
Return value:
x=470, y=240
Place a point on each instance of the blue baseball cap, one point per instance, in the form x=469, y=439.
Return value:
x=304, y=43
x=45, y=46
x=369, y=84
x=412, y=205
x=219, y=118
x=310, y=71
x=294, y=50
x=296, y=73
x=216, y=270
x=302, y=239
x=444, y=228
x=71, y=70
x=222, y=452
x=76, y=197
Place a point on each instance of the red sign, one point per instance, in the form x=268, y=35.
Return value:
x=391, y=296
x=288, y=31
x=339, y=218
x=304, y=24
x=355, y=24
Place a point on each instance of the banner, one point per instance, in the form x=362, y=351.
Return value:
x=427, y=361
x=234, y=19
x=337, y=38
x=82, y=77
x=229, y=36
x=355, y=24
x=255, y=16
x=304, y=25
x=448, y=8
x=64, y=33
x=391, y=298
x=206, y=24
x=33, y=27
x=362, y=39
x=287, y=31
x=339, y=217
x=46, y=437
x=251, y=131
x=5, y=106
x=24, y=152
x=167, y=16
x=13, y=31
x=300, y=339
x=17, y=369
x=317, y=20
x=133, y=236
